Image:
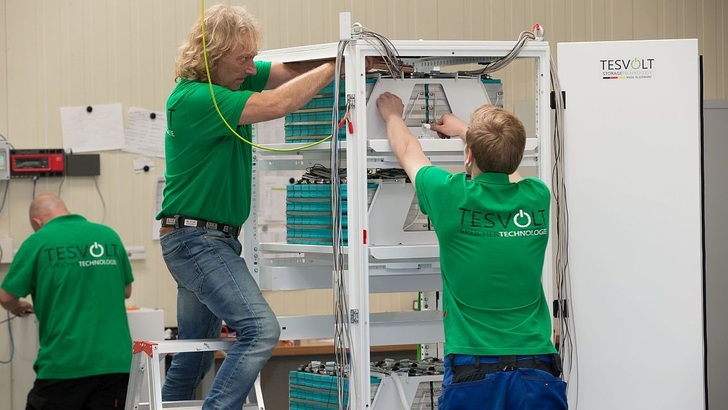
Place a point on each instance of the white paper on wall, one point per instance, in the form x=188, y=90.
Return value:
x=272, y=207
x=270, y=132
x=92, y=128
x=144, y=133
x=158, y=196
x=143, y=164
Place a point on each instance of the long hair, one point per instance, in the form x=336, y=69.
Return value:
x=497, y=139
x=226, y=27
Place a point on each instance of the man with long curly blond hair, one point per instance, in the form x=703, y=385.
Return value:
x=208, y=196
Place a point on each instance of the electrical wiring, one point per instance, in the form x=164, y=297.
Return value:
x=2, y=206
x=342, y=334
x=35, y=185
x=103, y=203
x=346, y=357
x=523, y=38
x=412, y=108
x=500, y=63
x=5, y=196
x=8, y=319
x=383, y=46
x=400, y=391
x=217, y=108
x=2, y=137
x=567, y=344
x=414, y=220
x=12, y=341
x=60, y=186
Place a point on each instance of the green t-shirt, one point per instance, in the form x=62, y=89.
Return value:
x=209, y=169
x=76, y=272
x=493, y=236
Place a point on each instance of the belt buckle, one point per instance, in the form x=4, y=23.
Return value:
x=189, y=222
x=211, y=225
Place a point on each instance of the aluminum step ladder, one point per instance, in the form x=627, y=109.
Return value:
x=146, y=364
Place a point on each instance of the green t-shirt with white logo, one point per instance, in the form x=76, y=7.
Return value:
x=492, y=236
x=209, y=169
x=76, y=272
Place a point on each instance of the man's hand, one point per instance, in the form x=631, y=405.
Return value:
x=390, y=106
x=14, y=305
x=449, y=125
x=24, y=309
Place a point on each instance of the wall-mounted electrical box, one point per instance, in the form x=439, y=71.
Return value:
x=4, y=160
x=82, y=165
x=36, y=162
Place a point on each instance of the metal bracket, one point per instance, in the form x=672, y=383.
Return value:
x=354, y=315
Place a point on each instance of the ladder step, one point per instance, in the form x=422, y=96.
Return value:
x=189, y=405
x=177, y=405
x=193, y=345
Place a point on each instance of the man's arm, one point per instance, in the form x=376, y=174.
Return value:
x=281, y=73
x=449, y=125
x=287, y=97
x=13, y=303
x=127, y=291
x=406, y=147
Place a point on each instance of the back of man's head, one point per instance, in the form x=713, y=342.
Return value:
x=497, y=139
x=44, y=208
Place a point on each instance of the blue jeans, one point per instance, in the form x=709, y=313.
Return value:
x=519, y=389
x=214, y=284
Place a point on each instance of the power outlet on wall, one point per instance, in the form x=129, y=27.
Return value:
x=136, y=252
x=6, y=245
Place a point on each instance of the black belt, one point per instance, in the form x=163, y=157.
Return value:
x=471, y=372
x=180, y=221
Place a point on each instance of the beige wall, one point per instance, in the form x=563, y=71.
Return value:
x=56, y=53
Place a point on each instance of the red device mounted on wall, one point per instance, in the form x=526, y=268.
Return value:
x=46, y=162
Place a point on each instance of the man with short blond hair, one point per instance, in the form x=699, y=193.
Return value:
x=492, y=228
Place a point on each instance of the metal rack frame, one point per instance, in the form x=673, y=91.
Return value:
x=369, y=267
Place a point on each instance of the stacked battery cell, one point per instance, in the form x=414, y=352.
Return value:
x=311, y=391
x=308, y=213
x=312, y=122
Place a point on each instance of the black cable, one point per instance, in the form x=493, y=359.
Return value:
x=12, y=342
x=8, y=319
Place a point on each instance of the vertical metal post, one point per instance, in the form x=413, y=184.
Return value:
x=358, y=225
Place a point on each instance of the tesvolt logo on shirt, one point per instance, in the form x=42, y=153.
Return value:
x=522, y=219
x=504, y=225
x=92, y=254
x=96, y=250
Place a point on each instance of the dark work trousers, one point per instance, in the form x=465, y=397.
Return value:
x=502, y=383
x=105, y=391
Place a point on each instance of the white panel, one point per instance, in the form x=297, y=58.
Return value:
x=716, y=259
x=144, y=324
x=633, y=169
